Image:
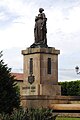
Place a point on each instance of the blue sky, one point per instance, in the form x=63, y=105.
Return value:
x=63, y=26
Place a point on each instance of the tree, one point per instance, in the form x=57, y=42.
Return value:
x=9, y=96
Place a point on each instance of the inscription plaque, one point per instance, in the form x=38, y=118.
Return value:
x=25, y=87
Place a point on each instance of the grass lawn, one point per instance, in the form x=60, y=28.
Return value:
x=60, y=118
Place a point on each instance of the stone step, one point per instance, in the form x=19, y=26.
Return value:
x=65, y=106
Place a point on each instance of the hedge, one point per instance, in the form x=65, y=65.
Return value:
x=71, y=88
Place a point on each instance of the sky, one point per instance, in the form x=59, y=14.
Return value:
x=17, y=19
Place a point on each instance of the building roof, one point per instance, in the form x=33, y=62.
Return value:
x=18, y=76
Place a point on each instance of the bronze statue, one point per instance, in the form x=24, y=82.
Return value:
x=40, y=30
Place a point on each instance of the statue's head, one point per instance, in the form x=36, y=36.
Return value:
x=41, y=10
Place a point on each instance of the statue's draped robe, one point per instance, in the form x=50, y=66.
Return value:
x=40, y=29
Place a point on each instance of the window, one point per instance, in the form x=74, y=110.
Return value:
x=31, y=65
x=49, y=66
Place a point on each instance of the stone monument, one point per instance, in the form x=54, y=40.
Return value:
x=40, y=67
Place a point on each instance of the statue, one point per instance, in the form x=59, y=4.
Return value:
x=40, y=30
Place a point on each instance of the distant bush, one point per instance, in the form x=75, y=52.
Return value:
x=30, y=114
x=71, y=88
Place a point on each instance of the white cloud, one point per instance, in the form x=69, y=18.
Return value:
x=14, y=59
x=19, y=7
x=20, y=32
x=72, y=23
x=69, y=23
x=17, y=35
x=2, y=16
x=59, y=28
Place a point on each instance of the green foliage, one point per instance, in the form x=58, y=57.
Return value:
x=66, y=118
x=41, y=114
x=9, y=96
x=30, y=114
x=4, y=117
x=71, y=88
x=19, y=114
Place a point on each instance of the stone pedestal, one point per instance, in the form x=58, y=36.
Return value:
x=40, y=72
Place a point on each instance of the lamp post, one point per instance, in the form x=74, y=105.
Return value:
x=77, y=70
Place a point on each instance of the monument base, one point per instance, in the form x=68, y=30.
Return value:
x=53, y=102
x=40, y=76
x=41, y=71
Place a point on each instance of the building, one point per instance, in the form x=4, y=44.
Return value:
x=19, y=78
